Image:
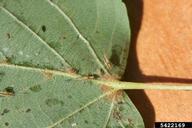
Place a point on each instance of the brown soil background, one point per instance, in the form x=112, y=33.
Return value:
x=161, y=52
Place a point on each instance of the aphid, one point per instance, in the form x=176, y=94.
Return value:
x=107, y=62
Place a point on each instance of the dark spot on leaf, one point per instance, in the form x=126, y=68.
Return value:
x=121, y=108
x=43, y=27
x=5, y=111
x=116, y=52
x=35, y=88
x=52, y=102
x=120, y=102
x=95, y=76
x=8, y=35
x=86, y=122
x=9, y=90
x=114, y=59
x=28, y=110
x=81, y=110
x=10, y=59
x=97, y=31
x=102, y=71
x=117, y=115
x=69, y=96
x=129, y=120
x=6, y=124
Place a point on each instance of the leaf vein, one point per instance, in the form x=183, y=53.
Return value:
x=90, y=47
x=109, y=114
x=80, y=109
x=35, y=35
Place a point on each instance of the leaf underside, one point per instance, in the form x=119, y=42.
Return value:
x=47, y=50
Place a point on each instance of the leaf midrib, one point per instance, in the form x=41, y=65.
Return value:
x=91, y=102
x=74, y=76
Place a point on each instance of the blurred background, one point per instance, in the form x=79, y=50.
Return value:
x=161, y=52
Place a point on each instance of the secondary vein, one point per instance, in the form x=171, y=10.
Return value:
x=80, y=109
x=35, y=35
x=90, y=47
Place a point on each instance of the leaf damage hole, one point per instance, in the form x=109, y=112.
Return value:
x=43, y=27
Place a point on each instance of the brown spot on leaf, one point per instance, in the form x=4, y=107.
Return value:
x=116, y=115
x=72, y=71
x=110, y=78
x=115, y=95
x=5, y=61
x=130, y=120
x=47, y=74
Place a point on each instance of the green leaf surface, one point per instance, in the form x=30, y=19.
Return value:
x=51, y=52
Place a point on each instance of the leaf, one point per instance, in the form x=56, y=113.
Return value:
x=50, y=50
